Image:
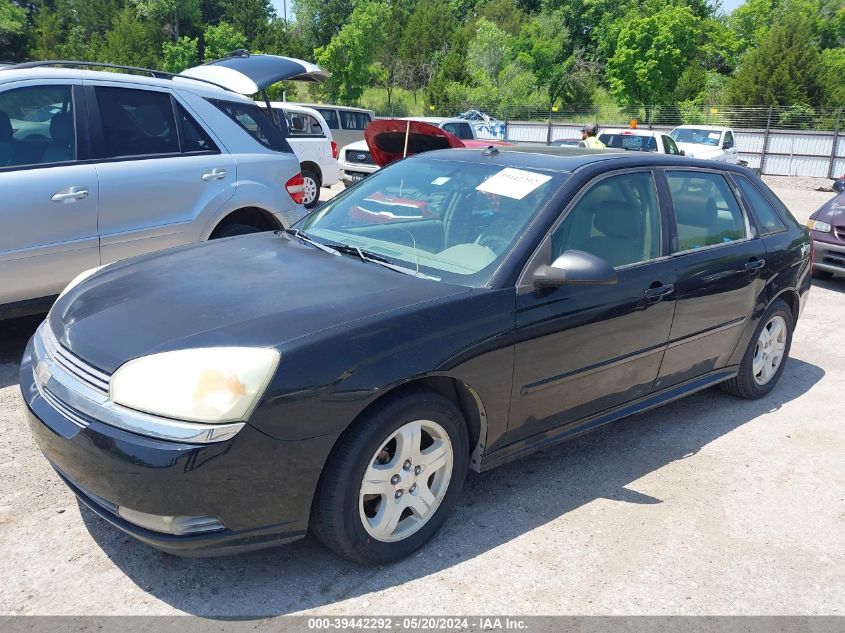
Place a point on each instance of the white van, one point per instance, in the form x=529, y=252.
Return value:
x=347, y=124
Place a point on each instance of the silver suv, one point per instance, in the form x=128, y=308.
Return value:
x=99, y=166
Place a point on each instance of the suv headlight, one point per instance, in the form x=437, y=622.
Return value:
x=816, y=225
x=209, y=384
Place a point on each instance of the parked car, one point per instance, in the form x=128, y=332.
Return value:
x=343, y=375
x=640, y=140
x=827, y=228
x=707, y=141
x=312, y=142
x=357, y=161
x=99, y=166
x=347, y=124
x=568, y=142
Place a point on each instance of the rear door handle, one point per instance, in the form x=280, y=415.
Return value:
x=653, y=295
x=70, y=194
x=754, y=265
x=214, y=174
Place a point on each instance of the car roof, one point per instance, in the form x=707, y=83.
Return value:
x=434, y=120
x=701, y=127
x=292, y=107
x=633, y=131
x=331, y=105
x=570, y=159
x=9, y=74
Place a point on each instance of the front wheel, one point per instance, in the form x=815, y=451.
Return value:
x=392, y=481
x=765, y=357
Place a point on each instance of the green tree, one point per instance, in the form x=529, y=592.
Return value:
x=180, y=54
x=220, y=40
x=250, y=17
x=390, y=65
x=507, y=15
x=426, y=41
x=12, y=28
x=321, y=20
x=350, y=55
x=488, y=51
x=833, y=79
x=651, y=55
x=173, y=15
x=783, y=70
x=131, y=42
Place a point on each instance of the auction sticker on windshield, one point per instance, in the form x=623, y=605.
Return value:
x=513, y=183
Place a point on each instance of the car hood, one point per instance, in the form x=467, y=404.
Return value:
x=698, y=150
x=262, y=290
x=832, y=211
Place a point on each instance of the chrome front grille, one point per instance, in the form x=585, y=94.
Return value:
x=839, y=231
x=362, y=157
x=72, y=364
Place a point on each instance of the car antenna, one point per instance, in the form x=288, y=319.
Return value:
x=490, y=151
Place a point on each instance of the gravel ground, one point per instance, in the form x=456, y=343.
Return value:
x=710, y=505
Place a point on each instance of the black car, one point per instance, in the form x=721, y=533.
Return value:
x=343, y=375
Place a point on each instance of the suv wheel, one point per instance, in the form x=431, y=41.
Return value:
x=390, y=485
x=230, y=230
x=312, y=189
x=765, y=358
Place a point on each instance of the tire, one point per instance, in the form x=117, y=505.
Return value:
x=231, y=230
x=312, y=189
x=822, y=274
x=747, y=383
x=340, y=508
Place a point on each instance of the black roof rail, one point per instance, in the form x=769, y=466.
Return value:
x=157, y=74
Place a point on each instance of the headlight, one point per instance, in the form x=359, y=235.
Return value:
x=210, y=384
x=816, y=225
x=79, y=279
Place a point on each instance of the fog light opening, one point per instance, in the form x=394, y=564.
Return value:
x=168, y=524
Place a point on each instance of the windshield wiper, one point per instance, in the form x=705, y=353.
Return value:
x=369, y=256
x=302, y=236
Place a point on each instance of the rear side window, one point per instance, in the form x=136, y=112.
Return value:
x=300, y=124
x=194, y=138
x=669, y=146
x=36, y=126
x=136, y=123
x=764, y=213
x=706, y=210
x=354, y=120
x=254, y=122
x=461, y=130
x=331, y=117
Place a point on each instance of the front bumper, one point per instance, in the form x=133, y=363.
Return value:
x=350, y=173
x=829, y=257
x=258, y=487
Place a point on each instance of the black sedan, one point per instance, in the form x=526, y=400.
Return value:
x=456, y=310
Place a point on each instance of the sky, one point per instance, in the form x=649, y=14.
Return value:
x=727, y=6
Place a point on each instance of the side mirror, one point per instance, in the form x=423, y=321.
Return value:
x=839, y=186
x=727, y=145
x=574, y=268
x=682, y=152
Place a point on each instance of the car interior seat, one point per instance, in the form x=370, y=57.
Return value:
x=61, y=145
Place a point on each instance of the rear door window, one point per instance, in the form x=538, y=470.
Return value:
x=706, y=211
x=764, y=213
x=37, y=126
x=254, y=122
x=135, y=123
x=301, y=124
x=330, y=115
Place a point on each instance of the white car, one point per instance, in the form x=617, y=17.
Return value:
x=356, y=162
x=311, y=140
x=640, y=140
x=707, y=142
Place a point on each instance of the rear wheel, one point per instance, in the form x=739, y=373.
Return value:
x=230, y=230
x=765, y=357
x=391, y=483
x=311, y=189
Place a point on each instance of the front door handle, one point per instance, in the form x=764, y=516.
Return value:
x=214, y=174
x=70, y=194
x=754, y=265
x=653, y=295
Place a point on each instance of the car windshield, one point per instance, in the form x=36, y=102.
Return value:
x=630, y=142
x=448, y=219
x=699, y=137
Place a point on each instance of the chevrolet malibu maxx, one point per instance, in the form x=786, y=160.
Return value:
x=342, y=376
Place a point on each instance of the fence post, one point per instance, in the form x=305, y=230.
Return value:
x=505, y=134
x=835, y=143
x=549, y=128
x=766, y=141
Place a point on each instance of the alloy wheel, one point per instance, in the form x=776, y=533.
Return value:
x=405, y=481
x=310, y=190
x=768, y=354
